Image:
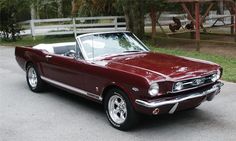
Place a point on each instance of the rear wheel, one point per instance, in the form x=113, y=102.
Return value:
x=119, y=110
x=34, y=81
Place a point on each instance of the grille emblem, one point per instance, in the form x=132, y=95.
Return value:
x=197, y=82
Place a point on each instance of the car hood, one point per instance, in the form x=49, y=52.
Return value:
x=163, y=65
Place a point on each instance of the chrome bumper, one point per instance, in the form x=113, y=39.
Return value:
x=176, y=100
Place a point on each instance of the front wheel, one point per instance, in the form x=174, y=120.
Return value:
x=119, y=110
x=34, y=81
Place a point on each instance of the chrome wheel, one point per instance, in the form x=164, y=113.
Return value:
x=117, y=109
x=32, y=77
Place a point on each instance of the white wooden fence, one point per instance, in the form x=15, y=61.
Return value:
x=80, y=25
x=72, y=25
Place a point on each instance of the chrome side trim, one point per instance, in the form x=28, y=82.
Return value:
x=79, y=91
x=215, y=88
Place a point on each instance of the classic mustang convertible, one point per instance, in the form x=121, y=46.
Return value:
x=119, y=71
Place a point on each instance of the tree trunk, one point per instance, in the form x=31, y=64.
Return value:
x=192, y=9
x=220, y=9
x=128, y=17
x=134, y=16
x=32, y=11
x=59, y=9
x=37, y=9
x=153, y=16
x=230, y=7
x=75, y=7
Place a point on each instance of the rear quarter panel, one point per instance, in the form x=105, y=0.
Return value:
x=25, y=55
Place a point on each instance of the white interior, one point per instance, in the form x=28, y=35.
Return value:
x=50, y=47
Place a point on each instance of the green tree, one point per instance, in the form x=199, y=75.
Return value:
x=49, y=8
x=94, y=7
x=134, y=11
x=10, y=13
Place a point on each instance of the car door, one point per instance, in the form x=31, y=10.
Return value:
x=64, y=71
x=69, y=73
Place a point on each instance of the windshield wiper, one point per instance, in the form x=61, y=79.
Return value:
x=131, y=51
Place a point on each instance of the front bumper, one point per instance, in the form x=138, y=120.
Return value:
x=209, y=93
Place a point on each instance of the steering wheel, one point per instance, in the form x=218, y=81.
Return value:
x=70, y=53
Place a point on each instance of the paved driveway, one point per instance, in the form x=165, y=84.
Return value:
x=58, y=116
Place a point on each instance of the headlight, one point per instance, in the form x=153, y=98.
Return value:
x=154, y=89
x=216, y=76
x=178, y=86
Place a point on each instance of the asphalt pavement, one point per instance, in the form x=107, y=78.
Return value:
x=56, y=115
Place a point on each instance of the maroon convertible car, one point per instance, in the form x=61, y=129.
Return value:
x=117, y=70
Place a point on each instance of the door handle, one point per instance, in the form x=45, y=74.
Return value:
x=48, y=56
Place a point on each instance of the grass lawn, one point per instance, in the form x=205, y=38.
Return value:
x=228, y=63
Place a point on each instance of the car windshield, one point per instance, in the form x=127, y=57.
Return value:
x=107, y=44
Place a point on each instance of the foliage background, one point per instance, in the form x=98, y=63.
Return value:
x=13, y=11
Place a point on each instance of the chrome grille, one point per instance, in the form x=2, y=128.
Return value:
x=196, y=82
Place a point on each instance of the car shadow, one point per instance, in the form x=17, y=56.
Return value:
x=179, y=121
x=75, y=99
x=161, y=122
x=167, y=119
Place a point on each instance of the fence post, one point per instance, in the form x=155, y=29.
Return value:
x=32, y=28
x=115, y=22
x=74, y=27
